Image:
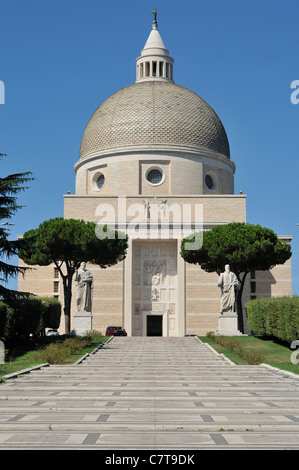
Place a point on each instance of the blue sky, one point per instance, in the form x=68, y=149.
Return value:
x=59, y=60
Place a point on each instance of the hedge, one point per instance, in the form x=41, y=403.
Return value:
x=277, y=317
x=28, y=316
x=251, y=357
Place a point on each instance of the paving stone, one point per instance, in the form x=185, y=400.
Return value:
x=150, y=393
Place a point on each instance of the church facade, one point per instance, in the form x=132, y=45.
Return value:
x=155, y=163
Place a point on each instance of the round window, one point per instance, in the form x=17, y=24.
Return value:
x=154, y=176
x=100, y=181
x=209, y=181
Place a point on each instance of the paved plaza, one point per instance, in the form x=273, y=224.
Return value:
x=150, y=393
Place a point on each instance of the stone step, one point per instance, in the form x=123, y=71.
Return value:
x=150, y=393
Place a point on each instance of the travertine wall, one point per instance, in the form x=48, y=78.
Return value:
x=107, y=297
x=202, y=300
x=216, y=209
x=107, y=294
x=40, y=280
x=183, y=174
x=202, y=296
x=198, y=294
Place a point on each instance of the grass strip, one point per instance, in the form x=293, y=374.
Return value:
x=54, y=350
x=259, y=349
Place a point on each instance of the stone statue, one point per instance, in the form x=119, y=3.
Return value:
x=163, y=207
x=147, y=208
x=228, y=283
x=155, y=295
x=84, y=281
x=156, y=279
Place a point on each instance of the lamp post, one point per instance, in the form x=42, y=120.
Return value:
x=5, y=252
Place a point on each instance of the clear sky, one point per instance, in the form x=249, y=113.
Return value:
x=60, y=59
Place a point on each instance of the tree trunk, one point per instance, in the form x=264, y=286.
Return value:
x=239, y=302
x=67, y=290
x=240, y=312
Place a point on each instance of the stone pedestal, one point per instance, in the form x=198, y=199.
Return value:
x=82, y=323
x=228, y=324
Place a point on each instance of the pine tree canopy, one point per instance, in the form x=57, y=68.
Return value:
x=10, y=186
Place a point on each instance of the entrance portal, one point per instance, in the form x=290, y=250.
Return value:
x=154, y=325
x=154, y=288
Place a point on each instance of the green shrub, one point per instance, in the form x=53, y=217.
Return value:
x=256, y=317
x=93, y=335
x=253, y=357
x=225, y=342
x=54, y=353
x=76, y=344
x=275, y=317
x=211, y=335
x=28, y=316
x=52, y=312
x=6, y=318
x=239, y=349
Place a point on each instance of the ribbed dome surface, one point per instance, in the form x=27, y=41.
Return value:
x=154, y=113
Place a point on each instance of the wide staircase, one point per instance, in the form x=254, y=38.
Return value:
x=150, y=393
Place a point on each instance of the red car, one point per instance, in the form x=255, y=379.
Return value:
x=110, y=330
x=121, y=332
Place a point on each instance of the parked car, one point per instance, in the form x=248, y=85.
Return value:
x=121, y=332
x=52, y=333
x=110, y=330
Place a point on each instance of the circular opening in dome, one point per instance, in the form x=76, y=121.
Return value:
x=100, y=181
x=211, y=181
x=154, y=176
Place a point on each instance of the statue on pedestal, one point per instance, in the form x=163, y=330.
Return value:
x=84, y=281
x=229, y=284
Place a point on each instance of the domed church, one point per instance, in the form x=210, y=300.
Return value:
x=155, y=163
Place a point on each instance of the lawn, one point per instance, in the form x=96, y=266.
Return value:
x=275, y=354
x=53, y=350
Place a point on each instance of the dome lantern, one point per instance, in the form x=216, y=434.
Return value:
x=154, y=62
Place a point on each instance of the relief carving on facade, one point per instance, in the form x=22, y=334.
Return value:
x=153, y=272
x=137, y=309
x=171, y=309
x=155, y=295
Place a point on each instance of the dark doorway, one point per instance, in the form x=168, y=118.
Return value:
x=154, y=325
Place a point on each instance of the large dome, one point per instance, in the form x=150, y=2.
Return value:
x=154, y=113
